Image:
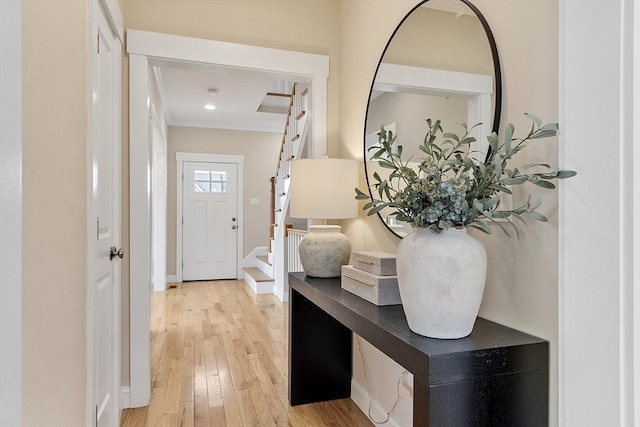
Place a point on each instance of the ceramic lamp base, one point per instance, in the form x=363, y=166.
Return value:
x=324, y=250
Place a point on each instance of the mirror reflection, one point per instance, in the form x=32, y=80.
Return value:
x=440, y=63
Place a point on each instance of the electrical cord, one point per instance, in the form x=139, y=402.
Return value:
x=366, y=384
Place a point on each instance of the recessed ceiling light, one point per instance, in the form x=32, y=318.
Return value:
x=209, y=107
x=213, y=92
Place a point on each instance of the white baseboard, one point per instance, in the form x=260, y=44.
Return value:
x=172, y=279
x=125, y=397
x=281, y=294
x=361, y=398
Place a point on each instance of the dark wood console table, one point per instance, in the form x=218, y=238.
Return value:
x=497, y=376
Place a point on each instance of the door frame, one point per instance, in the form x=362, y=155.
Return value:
x=599, y=290
x=146, y=49
x=238, y=160
x=11, y=212
x=159, y=221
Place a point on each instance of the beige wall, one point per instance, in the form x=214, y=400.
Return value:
x=522, y=279
x=54, y=212
x=260, y=151
x=522, y=282
x=442, y=40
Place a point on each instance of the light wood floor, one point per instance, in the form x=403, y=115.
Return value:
x=219, y=358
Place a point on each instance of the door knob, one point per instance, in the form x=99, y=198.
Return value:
x=233, y=227
x=114, y=252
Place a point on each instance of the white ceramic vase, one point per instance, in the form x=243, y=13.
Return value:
x=441, y=277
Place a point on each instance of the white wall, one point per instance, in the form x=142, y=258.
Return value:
x=10, y=213
x=260, y=150
x=600, y=274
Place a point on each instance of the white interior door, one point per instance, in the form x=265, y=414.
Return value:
x=210, y=221
x=104, y=304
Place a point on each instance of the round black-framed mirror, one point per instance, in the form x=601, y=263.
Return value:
x=441, y=62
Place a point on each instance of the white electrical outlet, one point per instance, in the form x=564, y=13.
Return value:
x=254, y=202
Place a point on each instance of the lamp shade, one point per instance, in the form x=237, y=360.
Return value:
x=323, y=188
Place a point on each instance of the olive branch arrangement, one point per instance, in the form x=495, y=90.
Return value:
x=451, y=188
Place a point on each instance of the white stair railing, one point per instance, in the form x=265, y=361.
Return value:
x=292, y=146
x=293, y=243
x=294, y=141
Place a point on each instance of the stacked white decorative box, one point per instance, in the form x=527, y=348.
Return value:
x=372, y=277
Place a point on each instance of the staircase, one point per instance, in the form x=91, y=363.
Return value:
x=267, y=272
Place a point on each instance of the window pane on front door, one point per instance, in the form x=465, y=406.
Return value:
x=209, y=182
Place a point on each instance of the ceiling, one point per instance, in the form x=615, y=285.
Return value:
x=240, y=98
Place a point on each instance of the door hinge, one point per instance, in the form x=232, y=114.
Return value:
x=98, y=47
x=98, y=228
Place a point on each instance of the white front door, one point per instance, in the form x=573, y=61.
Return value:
x=210, y=221
x=104, y=295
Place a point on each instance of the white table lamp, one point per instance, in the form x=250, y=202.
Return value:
x=324, y=189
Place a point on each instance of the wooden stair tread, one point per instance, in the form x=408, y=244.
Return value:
x=282, y=94
x=257, y=274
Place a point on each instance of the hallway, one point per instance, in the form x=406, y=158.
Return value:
x=219, y=358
